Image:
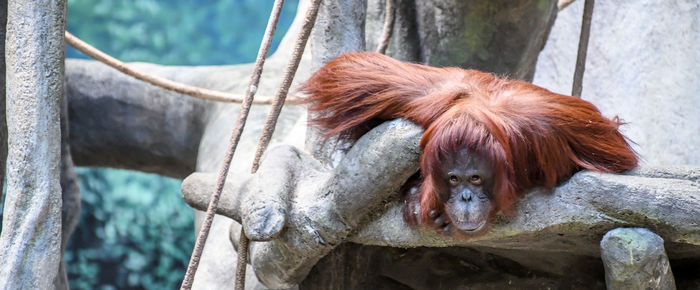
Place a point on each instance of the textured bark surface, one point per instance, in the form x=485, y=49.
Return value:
x=126, y=123
x=70, y=195
x=30, y=243
x=340, y=27
x=318, y=207
x=635, y=259
x=3, y=119
x=504, y=37
x=404, y=43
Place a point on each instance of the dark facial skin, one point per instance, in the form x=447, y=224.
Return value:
x=469, y=182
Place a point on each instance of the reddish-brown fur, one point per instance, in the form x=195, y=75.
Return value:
x=531, y=136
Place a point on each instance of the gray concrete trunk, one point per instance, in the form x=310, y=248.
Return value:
x=30, y=243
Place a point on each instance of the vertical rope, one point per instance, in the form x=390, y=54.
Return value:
x=389, y=13
x=233, y=143
x=271, y=121
x=582, y=48
x=241, y=263
x=291, y=69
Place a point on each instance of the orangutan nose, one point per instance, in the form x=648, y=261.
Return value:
x=467, y=195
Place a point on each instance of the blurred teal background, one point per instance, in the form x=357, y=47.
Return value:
x=176, y=32
x=135, y=231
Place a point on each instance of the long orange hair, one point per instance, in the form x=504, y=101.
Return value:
x=531, y=136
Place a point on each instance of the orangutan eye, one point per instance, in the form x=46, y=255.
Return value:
x=454, y=179
x=475, y=179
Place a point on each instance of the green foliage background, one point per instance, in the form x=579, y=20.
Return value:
x=177, y=32
x=135, y=231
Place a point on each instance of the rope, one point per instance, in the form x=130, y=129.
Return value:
x=193, y=91
x=582, y=48
x=233, y=144
x=388, y=27
x=271, y=121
